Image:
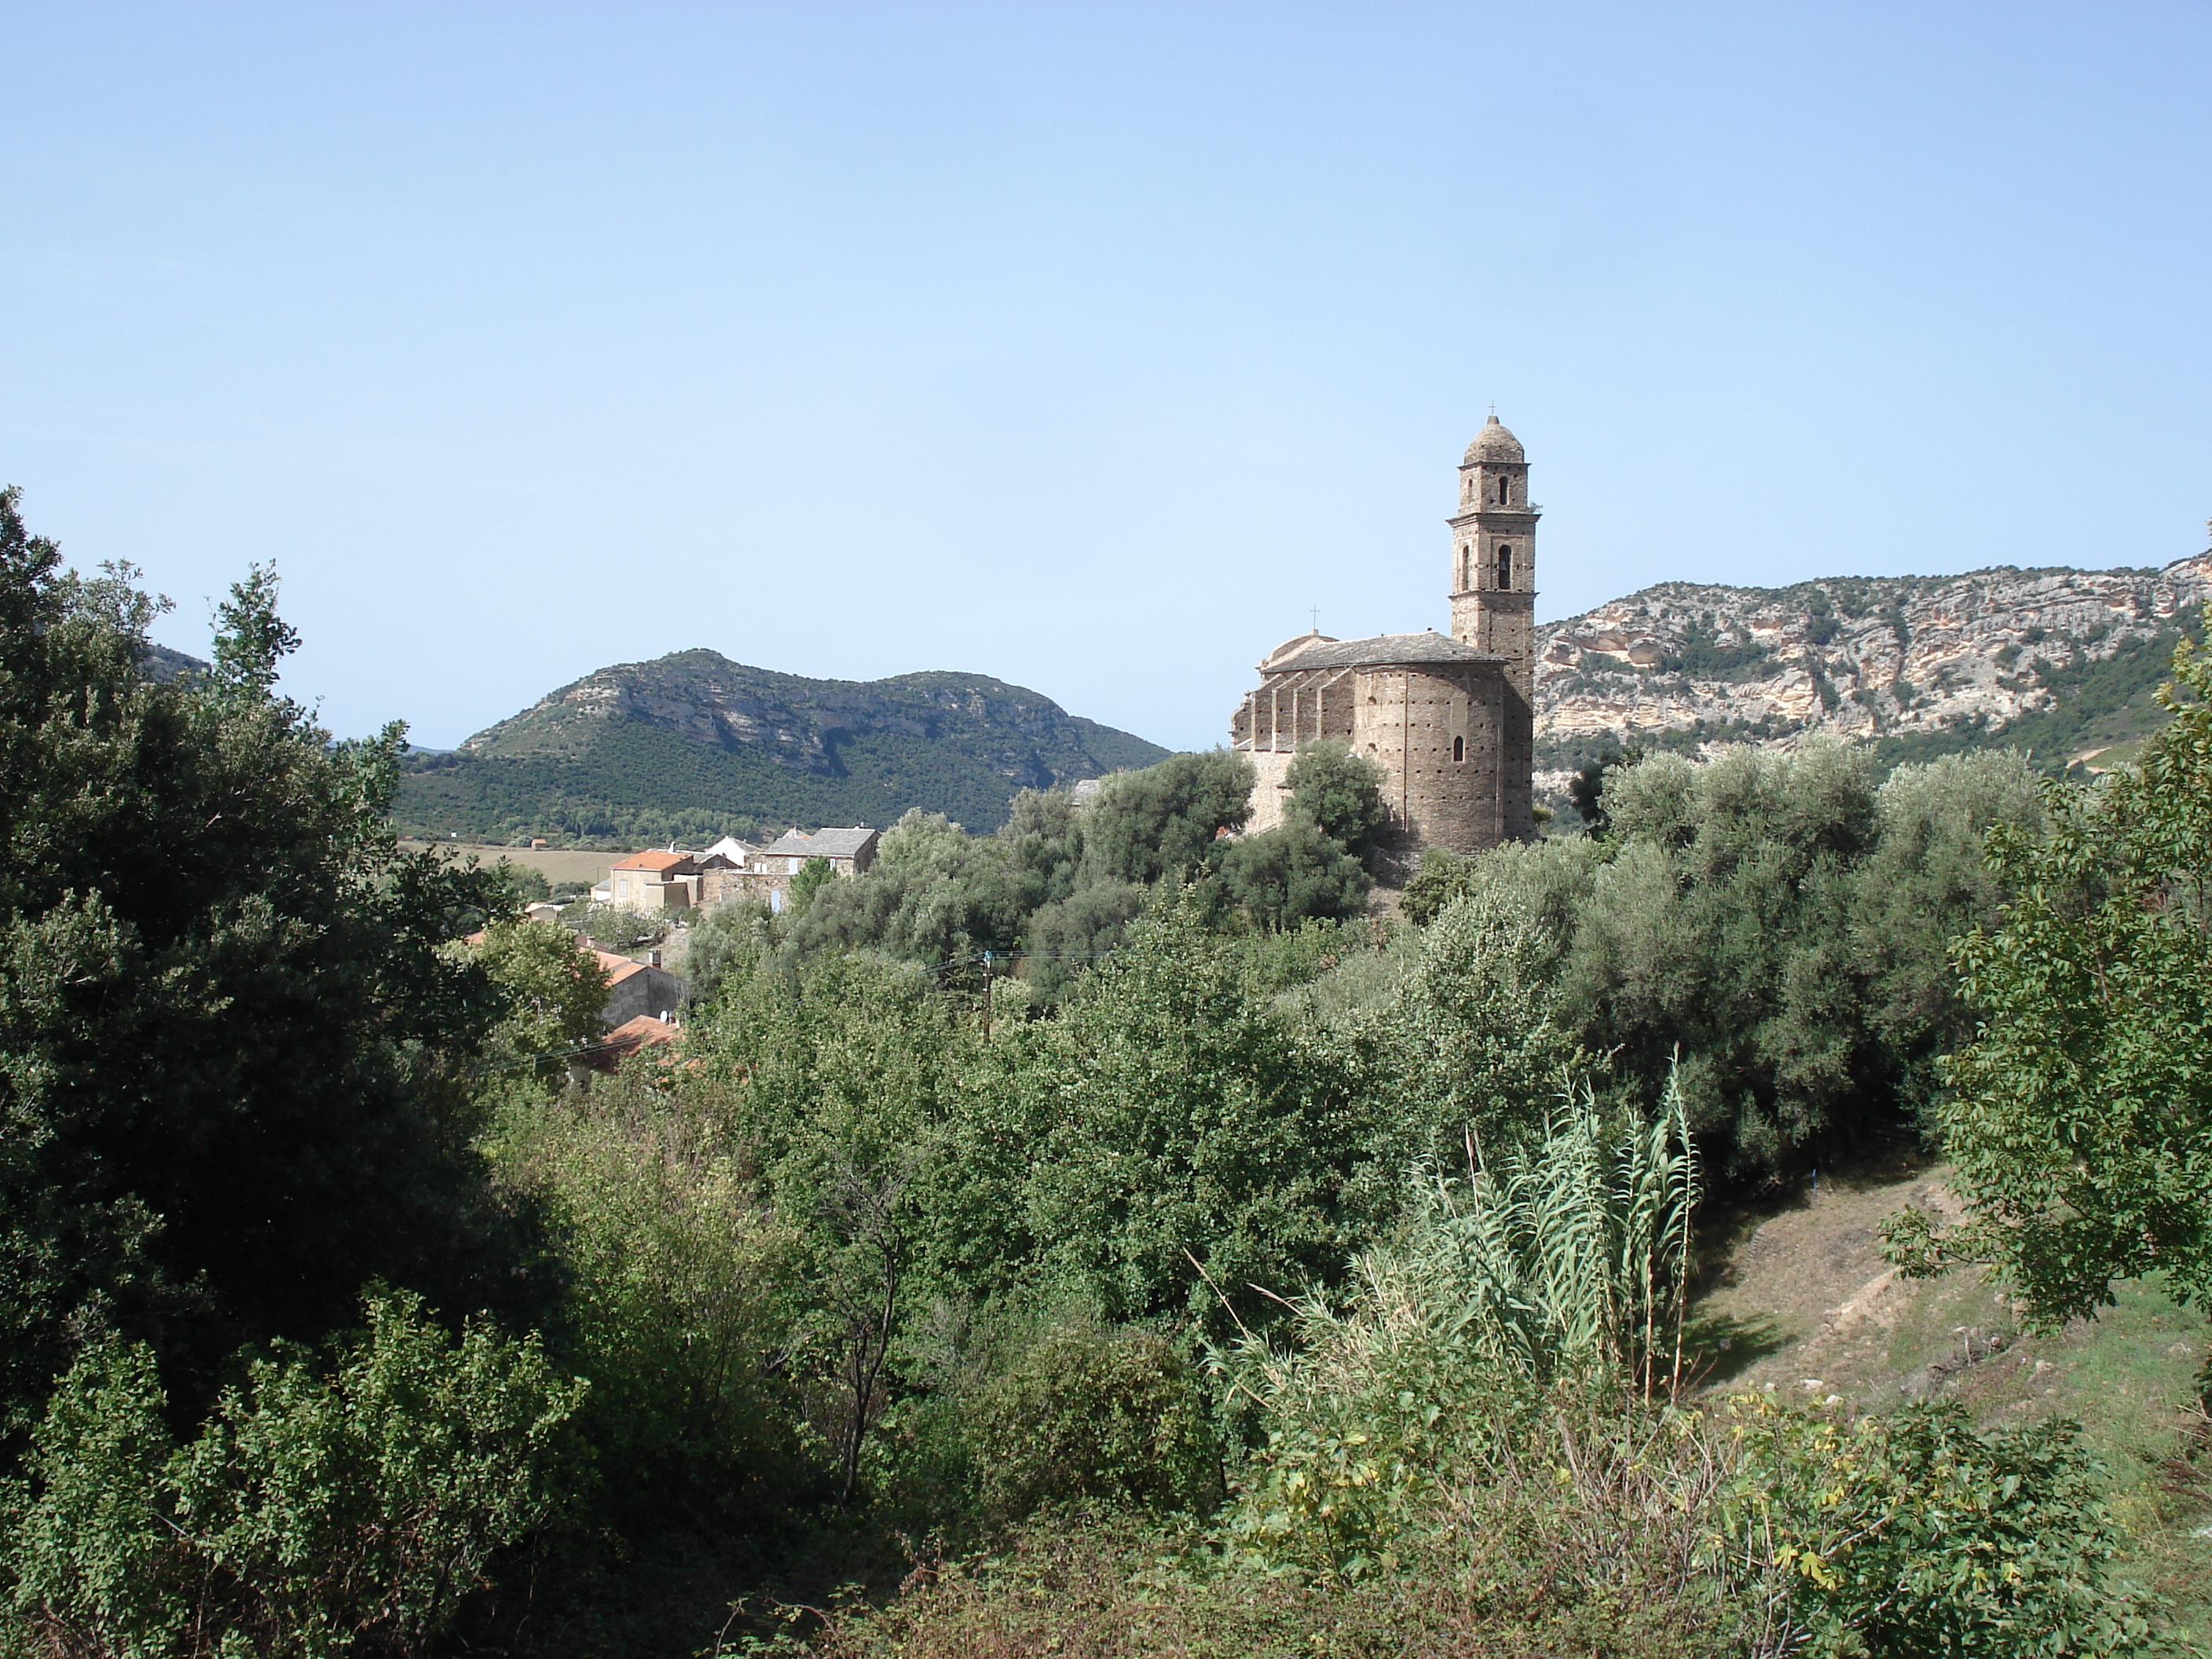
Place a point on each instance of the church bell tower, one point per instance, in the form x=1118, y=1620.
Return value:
x=1493, y=597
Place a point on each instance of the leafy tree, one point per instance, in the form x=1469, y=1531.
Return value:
x=1477, y=1039
x=812, y=876
x=728, y=943
x=1444, y=876
x=554, y=990
x=1052, y=880
x=226, y=1015
x=1586, y=789
x=525, y=885
x=1165, y=821
x=1074, y=933
x=2081, y=1126
x=1288, y=874
x=1172, y=1115
x=614, y=928
x=1340, y=794
x=934, y=893
x=1748, y=917
x=1778, y=921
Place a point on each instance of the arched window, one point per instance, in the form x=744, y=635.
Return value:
x=1458, y=749
x=1505, y=564
x=1504, y=489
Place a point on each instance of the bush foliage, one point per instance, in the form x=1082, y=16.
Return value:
x=1247, y=1271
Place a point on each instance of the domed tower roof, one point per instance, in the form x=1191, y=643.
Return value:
x=1494, y=443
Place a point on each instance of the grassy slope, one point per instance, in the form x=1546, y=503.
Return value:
x=1801, y=1299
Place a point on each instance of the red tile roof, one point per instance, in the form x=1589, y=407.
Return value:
x=653, y=860
x=635, y=1037
x=644, y=1031
x=618, y=968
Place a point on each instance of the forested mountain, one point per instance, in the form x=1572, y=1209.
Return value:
x=693, y=743
x=2061, y=662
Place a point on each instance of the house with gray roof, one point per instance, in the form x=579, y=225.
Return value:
x=849, y=852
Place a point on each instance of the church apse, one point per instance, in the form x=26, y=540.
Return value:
x=1448, y=718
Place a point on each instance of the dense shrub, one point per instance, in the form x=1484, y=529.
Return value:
x=1562, y=1267
x=1913, y=1533
x=678, y=1308
x=1082, y=1410
x=321, y=1510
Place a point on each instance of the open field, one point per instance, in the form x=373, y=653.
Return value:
x=556, y=864
x=1799, y=1300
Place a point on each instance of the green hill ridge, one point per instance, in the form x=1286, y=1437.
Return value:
x=693, y=745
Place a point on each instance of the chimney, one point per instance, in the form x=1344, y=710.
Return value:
x=653, y=958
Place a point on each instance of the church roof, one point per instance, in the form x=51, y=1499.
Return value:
x=1382, y=650
x=1494, y=443
x=1295, y=644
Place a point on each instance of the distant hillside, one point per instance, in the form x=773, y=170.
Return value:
x=2065, y=663
x=163, y=665
x=693, y=745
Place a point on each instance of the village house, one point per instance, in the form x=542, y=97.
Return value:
x=636, y=987
x=849, y=852
x=657, y=882
x=740, y=854
x=634, y=1036
x=654, y=881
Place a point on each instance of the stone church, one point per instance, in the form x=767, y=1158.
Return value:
x=1448, y=719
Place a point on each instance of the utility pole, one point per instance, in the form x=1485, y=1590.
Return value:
x=987, y=996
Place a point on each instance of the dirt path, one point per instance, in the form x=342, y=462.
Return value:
x=1803, y=1300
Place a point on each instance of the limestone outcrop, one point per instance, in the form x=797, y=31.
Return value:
x=1866, y=657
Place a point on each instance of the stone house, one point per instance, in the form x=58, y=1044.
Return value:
x=850, y=852
x=638, y=987
x=657, y=882
x=652, y=882
x=1451, y=721
x=633, y=1036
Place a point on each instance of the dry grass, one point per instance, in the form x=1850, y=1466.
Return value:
x=1081, y=1592
x=556, y=864
x=1810, y=1307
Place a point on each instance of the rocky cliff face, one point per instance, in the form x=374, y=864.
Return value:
x=1895, y=657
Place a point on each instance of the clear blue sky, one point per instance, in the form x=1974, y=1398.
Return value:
x=1083, y=346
